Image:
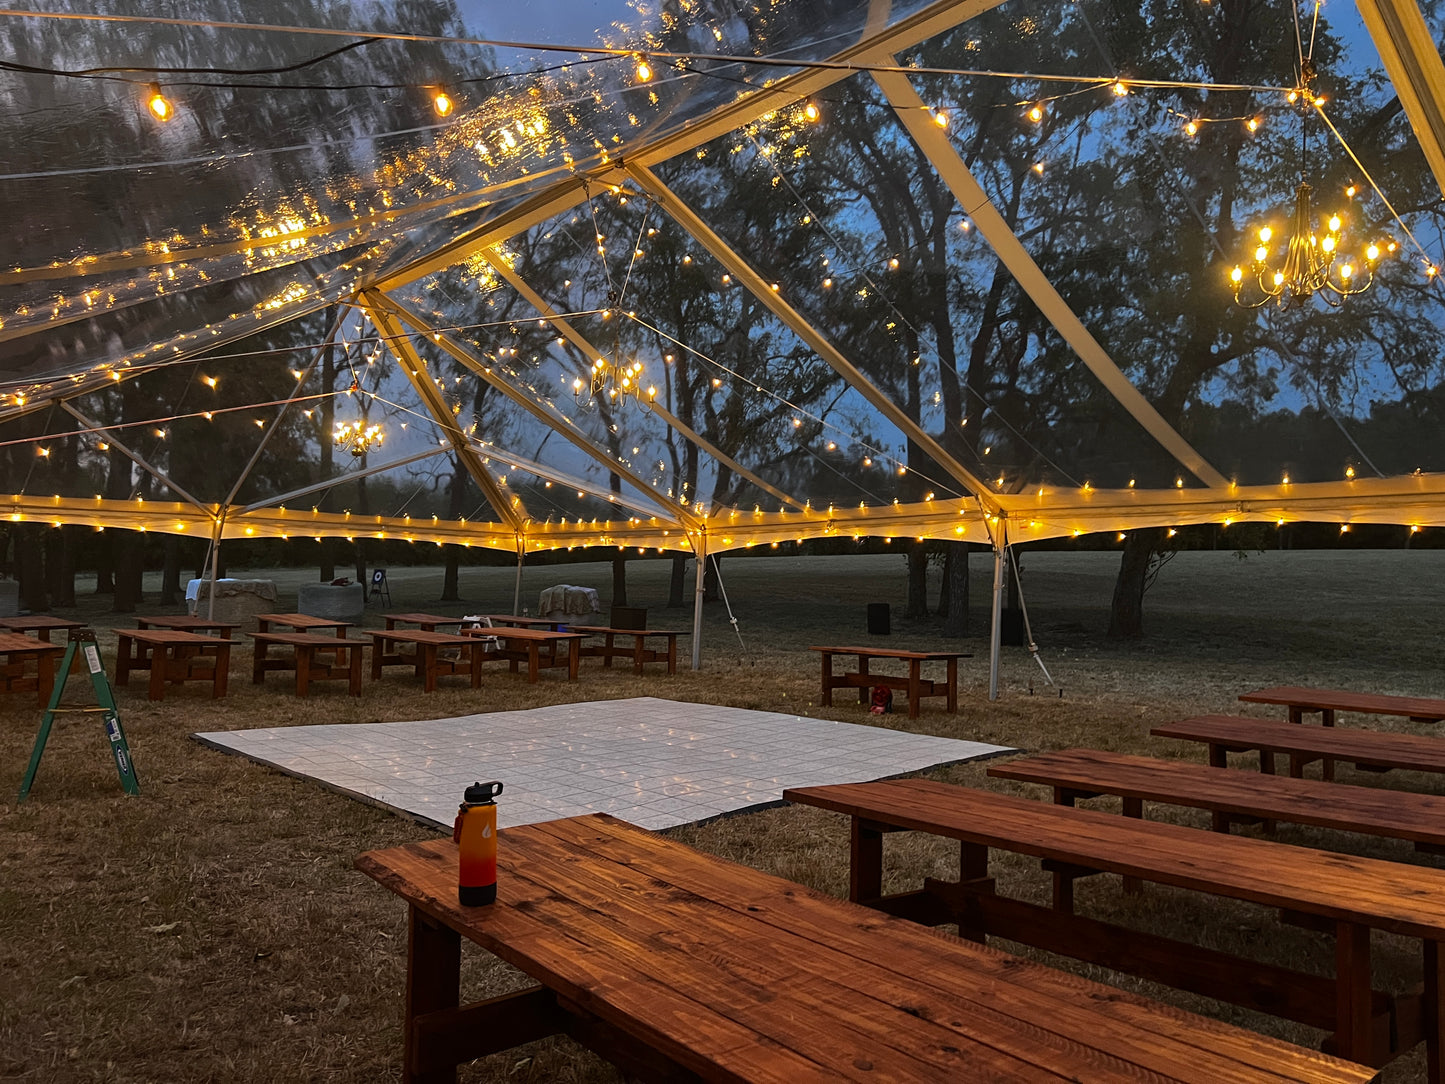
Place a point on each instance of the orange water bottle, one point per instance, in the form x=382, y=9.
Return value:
x=476, y=833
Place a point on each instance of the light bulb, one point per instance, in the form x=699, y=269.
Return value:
x=1279, y=278
x=1346, y=271
x=1373, y=252
x=1349, y=472
x=1252, y=124
x=810, y=112
x=442, y=102
x=1192, y=128
x=1334, y=223
x=940, y=118
x=1260, y=253
x=159, y=105
x=1265, y=233
x=644, y=70
x=1120, y=89
x=1237, y=275
x=1328, y=244
x=1036, y=114
x=1350, y=192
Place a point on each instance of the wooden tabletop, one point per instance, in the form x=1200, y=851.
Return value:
x=1414, y=707
x=505, y=633
x=423, y=619
x=185, y=623
x=17, y=641
x=737, y=975
x=36, y=622
x=601, y=630
x=304, y=621
x=418, y=636
x=1371, y=810
x=525, y=622
x=1374, y=747
x=894, y=653
x=171, y=636
x=302, y=638
x=1403, y=899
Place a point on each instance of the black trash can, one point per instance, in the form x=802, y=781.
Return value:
x=878, y=619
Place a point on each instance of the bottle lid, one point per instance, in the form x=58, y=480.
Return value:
x=482, y=793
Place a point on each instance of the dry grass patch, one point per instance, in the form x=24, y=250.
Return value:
x=213, y=928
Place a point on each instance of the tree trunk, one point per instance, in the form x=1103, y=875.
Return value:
x=955, y=582
x=677, y=582
x=451, y=574
x=619, y=581
x=328, y=561
x=711, y=572
x=30, y=567
x=917, y=582
x=55, y=564
x=128, y=570
x=105, y=567
x=171, y=572
x=1126, y=618
x=69, y=548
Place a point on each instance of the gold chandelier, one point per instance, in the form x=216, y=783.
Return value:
x=358, y=437
x=1313, y=263
x=614, y=381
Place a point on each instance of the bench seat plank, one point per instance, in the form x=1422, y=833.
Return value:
x=737, y=975
x=1418, y=818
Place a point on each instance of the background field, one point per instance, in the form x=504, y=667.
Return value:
x=213, y=929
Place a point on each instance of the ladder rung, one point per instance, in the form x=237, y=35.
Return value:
x=77, y=710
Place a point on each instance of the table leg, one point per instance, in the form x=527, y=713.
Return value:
x=607, y=650
x=972, y=869
x=534, y=662
x=1133, y=807
x=378, y=649
x=426, y=666
x=1218, y=756
x=574, y=659
x=222, y=677
x=1296, y=714
x=433, y=982
x=914, y=667
x=953, y=686
x=864, y=693
x=44, y=677
x=1434, y=1012
x=671, y=654
x=827, y=697
x=1352, y=991
x=474, y=659
x=865, y=871
x=638, y=641
x=258, y=662
x=303, y=669
x=124, y=645
x=159, y=657
x=354, y=659
x=1327, y=716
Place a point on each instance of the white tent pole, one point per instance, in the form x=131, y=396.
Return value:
x=700, y=549
x=1000, y=541
x=215, y=561
x=521, y=559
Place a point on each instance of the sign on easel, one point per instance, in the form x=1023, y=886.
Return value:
x=83, y=640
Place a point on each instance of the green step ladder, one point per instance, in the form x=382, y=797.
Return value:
x=83, y=641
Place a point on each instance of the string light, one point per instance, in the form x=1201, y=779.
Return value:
x=442, y=102
x=644, y=70
x=159, y=105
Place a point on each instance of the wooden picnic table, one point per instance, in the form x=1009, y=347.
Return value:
x=551, y=624
x=1233, y=797
x=427, y=622
x=426, y=657
x=1325, y=702
x=1349, y=895
x=679, y=966
x=313, y=657
x=914, y=684
x=40, y=624
x=301, y=623
x=637, y=650
x=538, y=648
x=185, y=623
x=20, y=653
x=1369, y=750
x=173, y=657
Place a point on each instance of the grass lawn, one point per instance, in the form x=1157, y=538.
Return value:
x=213, y=928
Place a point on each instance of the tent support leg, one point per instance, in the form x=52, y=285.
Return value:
x=1000, y=542
x=517, y=592
x=701, y=563
x=215, y=563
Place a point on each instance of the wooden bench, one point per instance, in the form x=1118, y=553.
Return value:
x=172, y=657
x=1369, y=750
x=1353, y=895
x=427, y=622
x=679, y=966
x=540, y=649
x=1233, y=797
x=426, y=657
x=313, y=657
x=637, y=650
x=1301, y=701
x=915, y=685
x=21, y=653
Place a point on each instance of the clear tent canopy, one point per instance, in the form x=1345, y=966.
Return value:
x=702, y=276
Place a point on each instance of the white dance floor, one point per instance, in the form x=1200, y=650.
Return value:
x=656, y=763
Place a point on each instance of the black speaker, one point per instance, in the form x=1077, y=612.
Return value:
x=878, y=619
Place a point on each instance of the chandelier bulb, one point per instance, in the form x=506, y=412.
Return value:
x=1265, y=234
